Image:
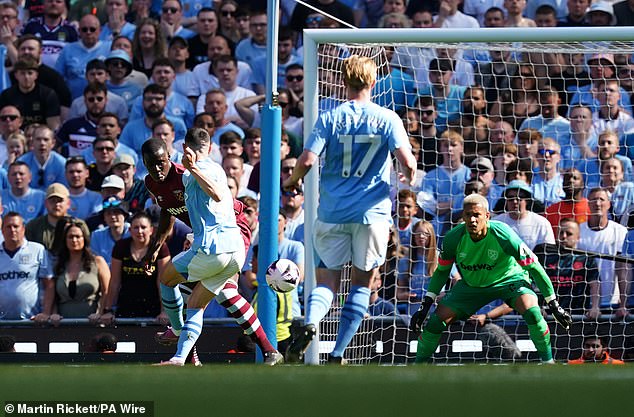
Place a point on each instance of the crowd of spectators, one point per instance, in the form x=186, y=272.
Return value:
x=545, y=137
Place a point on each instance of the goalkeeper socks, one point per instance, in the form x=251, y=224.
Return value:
x=241, y=310
x=539, y=333
x=351, y=316
x=319, y=303
x=173, y=306
x=429, y=339
x=189, y=333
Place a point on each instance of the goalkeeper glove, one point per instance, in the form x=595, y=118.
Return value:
x=418, y=318
x=560, y=315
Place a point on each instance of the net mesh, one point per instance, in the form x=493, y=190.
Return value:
x=511, y=103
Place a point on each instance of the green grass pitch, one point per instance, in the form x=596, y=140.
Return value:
x=303, y=391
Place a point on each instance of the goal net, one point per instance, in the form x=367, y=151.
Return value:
x=520, y=116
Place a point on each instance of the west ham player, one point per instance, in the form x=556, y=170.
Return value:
x=164, y=181
x=495, y=264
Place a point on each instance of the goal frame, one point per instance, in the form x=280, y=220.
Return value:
x=313, y=37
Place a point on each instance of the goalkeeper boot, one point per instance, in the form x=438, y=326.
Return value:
x=166, y=338
x=273, y=358
x=297, y=348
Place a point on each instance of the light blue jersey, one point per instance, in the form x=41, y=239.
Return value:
x=448, y=109
x=127, y=30
x=136, y=132
x=258, y=77
x=186, y=84
x=30, y=205
x=43, y=176
x=395, y=90
x=128, y=91
x=192, y=7
x=71, y=64
x=85, y=203
x=550, y=191
x=591, y=170
x=571, y=152
x=557, y=128
x=584, y=95
x=101, y=241
x=177, y=106
x=229, y=127
x=249, y=52
x=213, y=222
x=20, y=276
x=622, y=198
x=355, y=140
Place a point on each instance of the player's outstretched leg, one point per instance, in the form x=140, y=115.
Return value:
x=319, y=303
x=354, y=309
x=189, y=335
x=241, y=310
x=539, y=333
x=429, y=339
x=172, y=301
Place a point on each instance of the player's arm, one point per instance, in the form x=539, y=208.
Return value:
x=438, y=280
x=209, y=186
x=304, y=163
x=165, y=226
x=407, y=164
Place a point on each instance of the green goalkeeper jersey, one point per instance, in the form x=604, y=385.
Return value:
x=501, y=256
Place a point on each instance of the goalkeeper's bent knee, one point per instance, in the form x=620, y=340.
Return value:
x=532, y=315
x=435, y=325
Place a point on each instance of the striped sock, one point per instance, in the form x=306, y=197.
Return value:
x=189, y=333
x=241, y=310
x=173, y=305
x=351, y=316
x=319, y=303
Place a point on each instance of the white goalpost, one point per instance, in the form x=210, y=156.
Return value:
x=555, y=60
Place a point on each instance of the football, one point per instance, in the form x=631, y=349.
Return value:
x=282, y=275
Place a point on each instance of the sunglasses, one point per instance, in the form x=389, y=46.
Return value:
x=88, y=29
x=169, y=10
x=98, y=99
x=547, y=152
x=75, y=159
x=117, y=63
x=427, y=112
x=7, y=117
x=287, y=170
x=294, y=77
x=104, y=148
x=227, y=13
x=111, y=204
x=293, y=193
x=313, y=20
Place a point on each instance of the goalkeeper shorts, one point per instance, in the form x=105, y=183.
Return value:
x=465, y=300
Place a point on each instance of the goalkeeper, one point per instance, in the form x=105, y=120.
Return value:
x=495, y=264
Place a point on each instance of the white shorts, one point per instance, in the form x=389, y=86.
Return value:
x=363, y=244
x=214, y=270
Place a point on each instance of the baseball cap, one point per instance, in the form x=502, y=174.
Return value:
x=609, y=58
x=180, y=40
x=482, y=164
x=57, y=190
x=519, y=185
x=113, y=181
x=603, y=7
x=124, y=158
